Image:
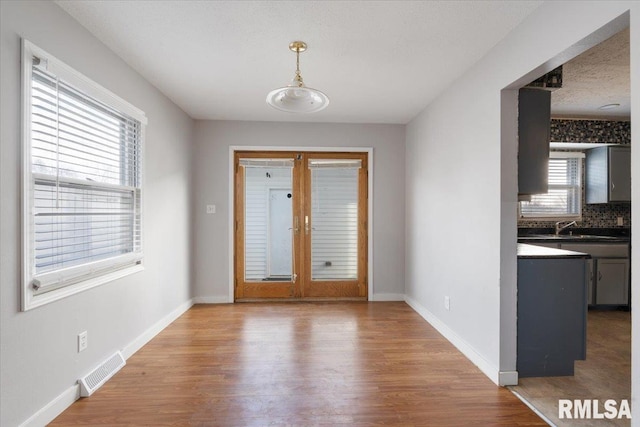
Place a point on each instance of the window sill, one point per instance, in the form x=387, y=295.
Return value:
x=31, y=301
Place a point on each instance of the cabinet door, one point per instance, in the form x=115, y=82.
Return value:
x=619, y=174
x=534, y=122
x=612, y=281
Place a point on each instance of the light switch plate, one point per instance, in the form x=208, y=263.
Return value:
x=620, y=220
x=211, y=209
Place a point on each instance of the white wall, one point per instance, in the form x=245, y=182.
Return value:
x=635, y=214
x=461, y=175
x=38, y=354
x=212, y=142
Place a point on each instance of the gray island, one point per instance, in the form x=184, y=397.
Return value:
x=552, y=310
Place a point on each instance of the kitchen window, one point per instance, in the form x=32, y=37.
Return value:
x=82, y=188
x=564, y=198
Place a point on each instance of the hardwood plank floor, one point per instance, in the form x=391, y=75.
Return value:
x=300, y=364
x=605, y=374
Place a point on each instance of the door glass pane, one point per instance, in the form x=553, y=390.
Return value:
x=268, y=219
x=334, y=219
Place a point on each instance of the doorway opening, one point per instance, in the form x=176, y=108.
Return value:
x=607, y=327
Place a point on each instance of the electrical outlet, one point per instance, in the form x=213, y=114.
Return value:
x=82, y=341
x=620, y=220
x=211, y=209
x=447, y=303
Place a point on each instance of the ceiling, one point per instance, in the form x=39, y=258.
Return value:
x=378, y=61
x=597, y=77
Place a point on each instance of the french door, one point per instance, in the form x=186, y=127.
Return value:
x=300, y=225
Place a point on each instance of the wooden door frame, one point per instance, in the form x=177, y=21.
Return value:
x=231, y=204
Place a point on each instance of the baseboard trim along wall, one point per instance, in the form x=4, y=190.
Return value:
x=476, y=358
x=225, y=300
x=54, y=408
x=387, y=297
x=148, y=335
x=508, y=378
x=212, y=300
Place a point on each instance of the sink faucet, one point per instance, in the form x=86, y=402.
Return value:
x=560, y=227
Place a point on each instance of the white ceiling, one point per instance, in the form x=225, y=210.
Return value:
x=378, y=61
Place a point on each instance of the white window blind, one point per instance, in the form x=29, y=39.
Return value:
x=563, y=200
x=83, y=179
x=334, y=214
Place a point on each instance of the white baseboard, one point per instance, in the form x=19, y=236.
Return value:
x=508, y=378
x=54, y=408
x=154, y=330
x=211, y=300
x=465, y=348
x=387, y=297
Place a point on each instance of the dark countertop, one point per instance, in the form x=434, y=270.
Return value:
x=574, y=238
x=533, y=251
x=575, y=235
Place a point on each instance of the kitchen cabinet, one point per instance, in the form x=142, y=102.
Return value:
x=552, y=311
x=608, y=272
x=612, y=281
x=608, y=174
x=534, y=132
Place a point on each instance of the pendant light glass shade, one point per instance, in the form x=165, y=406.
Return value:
x=296, y=97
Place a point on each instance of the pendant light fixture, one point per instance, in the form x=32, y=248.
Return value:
x=296, y=97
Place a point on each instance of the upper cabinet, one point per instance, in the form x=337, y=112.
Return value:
x=534, y=119
x=608, y=174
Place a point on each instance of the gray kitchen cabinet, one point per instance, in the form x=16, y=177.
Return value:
x=534, y=132
x=552, y=312
x=608, y=174
x=608, y=272
x=612, y=281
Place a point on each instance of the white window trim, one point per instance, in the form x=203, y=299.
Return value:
x=88, y=275
x=569, y=217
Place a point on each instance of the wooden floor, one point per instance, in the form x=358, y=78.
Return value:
x=605, y=374
x=300, y=364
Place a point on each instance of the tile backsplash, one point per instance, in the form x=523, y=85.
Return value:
x=591, y=131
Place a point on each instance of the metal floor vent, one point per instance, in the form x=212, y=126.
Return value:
x=100, y=375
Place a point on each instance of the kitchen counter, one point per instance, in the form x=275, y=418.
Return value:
x=572, y=238
x=533, y=251
x=575, y=235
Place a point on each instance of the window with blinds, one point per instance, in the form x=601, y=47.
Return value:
x=83, y=180
x=563, y=200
